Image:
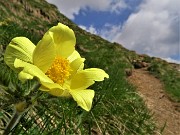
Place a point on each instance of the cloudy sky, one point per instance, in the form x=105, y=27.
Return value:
x=147, y=26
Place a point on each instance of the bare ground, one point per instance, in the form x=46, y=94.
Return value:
x=166, y=112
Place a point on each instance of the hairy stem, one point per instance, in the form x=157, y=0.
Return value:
x=14, y=120
x=20, y=108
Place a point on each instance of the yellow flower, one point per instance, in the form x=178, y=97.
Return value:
x=56, y=64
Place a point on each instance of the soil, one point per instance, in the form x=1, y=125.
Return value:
x=166, y=113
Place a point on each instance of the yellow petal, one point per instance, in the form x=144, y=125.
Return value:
x=29, y=71
x=83, y=98
x=83, y=79
x=21, y=48
x=24, y=76
x=64, y=40
x=52, y=88
x=76, y=66
x=44, y=53
x=56, y=92
x=74, y=56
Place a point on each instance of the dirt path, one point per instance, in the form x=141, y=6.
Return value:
x=165, y=111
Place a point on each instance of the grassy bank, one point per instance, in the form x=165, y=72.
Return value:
x=169, y=75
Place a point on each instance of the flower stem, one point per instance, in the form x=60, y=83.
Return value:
x=14, y=120
x=20, y=108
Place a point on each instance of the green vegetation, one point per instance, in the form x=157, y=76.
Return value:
x=168, y=75
x=117, y=109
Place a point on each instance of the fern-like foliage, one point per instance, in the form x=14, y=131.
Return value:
x=12, y=91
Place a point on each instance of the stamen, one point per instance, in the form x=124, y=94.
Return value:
x=60, y=70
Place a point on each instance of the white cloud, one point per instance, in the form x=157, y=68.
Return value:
x=109, y=31
x=72, y=7
x=172, y=60
x=153, y=29
x=90, y=29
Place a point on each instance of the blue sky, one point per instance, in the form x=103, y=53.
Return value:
x=147, y=26
x=89, y=17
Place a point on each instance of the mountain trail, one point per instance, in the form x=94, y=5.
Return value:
x=166, y=113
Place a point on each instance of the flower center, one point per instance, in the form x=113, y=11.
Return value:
x=60, y=70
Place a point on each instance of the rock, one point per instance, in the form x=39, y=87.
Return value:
x=128, y=72
x=144, y=64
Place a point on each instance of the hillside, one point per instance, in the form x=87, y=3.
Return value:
x=117, y=108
